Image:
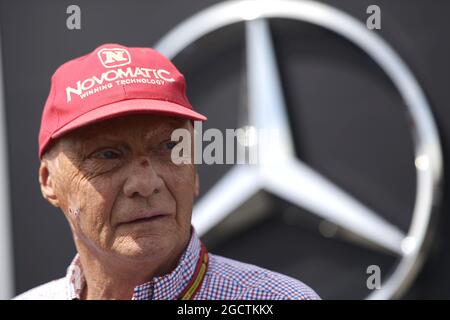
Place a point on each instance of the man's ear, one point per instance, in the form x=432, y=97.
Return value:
x=197, y=185
x=47, y=184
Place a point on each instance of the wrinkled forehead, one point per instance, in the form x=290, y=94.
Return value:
x=128, y=128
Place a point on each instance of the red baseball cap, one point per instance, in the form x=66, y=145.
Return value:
x=113, y=80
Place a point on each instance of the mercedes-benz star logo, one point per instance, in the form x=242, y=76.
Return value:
x=290, y=178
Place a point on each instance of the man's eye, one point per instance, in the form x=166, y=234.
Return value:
x=107, y=154
x=170, y=145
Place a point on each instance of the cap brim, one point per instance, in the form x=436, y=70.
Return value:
x=130, y=106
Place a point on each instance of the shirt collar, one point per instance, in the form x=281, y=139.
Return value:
x=165, y=287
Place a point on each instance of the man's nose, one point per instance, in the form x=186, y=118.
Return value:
x=143, y=179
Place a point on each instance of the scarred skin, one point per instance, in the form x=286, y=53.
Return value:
x=100, y=176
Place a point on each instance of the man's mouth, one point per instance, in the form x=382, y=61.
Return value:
x=146, y=217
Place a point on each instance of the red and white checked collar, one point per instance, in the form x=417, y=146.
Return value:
x=166, y=287
x=224, y=279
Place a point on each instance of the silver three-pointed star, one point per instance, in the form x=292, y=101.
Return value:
x=290, y=178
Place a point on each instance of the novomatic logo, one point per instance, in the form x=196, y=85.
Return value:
x=114, y=57
x=128, y=76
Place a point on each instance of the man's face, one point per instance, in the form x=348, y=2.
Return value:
x=110, y=176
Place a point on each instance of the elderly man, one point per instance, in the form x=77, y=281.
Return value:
x=105, y=148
